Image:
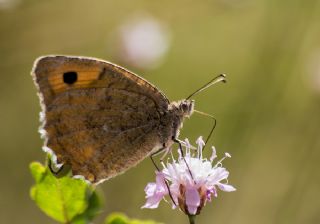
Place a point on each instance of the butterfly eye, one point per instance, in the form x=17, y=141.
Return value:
x=184, y=107
x=70, y=77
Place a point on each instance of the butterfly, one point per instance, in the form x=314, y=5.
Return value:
x=101, y=119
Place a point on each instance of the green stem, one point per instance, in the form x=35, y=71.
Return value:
x=192, y=219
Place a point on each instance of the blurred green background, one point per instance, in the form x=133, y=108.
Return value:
x=268, y=113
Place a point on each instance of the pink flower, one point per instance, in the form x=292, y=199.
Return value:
x=155, y=191
x=192, y=180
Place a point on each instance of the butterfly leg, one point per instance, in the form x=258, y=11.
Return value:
x=165, y=180
x=179, y=142
x=154, y=154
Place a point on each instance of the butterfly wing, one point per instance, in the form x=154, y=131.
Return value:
x=97, y=117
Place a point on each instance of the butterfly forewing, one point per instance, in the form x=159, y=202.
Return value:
x=99, y=118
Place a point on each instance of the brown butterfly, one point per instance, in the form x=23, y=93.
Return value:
x=101, y=119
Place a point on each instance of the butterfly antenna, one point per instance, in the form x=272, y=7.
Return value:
x=215, y=80
x=213, y=126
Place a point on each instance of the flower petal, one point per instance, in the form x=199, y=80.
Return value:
x=153, y=201
x=217, y=174
x=160, y=180
x=192, y=200
x=150, y=189
x=189, y=191
x=155, y=192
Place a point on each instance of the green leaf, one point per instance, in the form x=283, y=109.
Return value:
x=136, y=221
x=37, y=171
x=119, y=218
x=92, y=210
x=65, y=199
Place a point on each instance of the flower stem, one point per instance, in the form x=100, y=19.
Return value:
x=192, y=219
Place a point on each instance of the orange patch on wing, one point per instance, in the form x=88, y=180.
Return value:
x=84, y=78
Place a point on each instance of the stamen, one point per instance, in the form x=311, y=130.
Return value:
x=200, y=144
x=188, y=146
x=214, y=154
x=191, y=173
x=226, y=155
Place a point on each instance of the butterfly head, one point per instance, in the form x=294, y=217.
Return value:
x=186, y=107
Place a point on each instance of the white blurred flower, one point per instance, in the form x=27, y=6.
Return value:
x=143, y=42
x=192, y=181
x=8, y=4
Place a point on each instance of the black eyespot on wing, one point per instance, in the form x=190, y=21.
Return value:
x=70, y=77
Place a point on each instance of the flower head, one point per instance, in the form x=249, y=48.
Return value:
x=190, y=181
